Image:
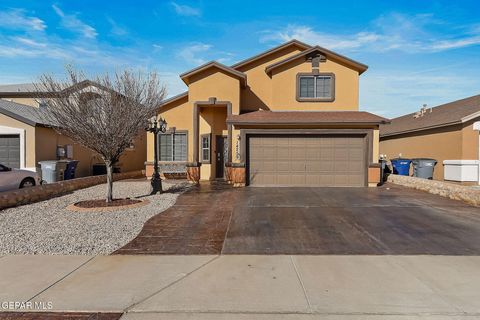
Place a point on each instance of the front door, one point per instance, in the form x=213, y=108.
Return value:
x=221, y=155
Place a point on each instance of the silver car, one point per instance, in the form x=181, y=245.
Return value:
x=17, y=178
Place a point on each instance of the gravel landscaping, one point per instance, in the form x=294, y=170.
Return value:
x=47, y=227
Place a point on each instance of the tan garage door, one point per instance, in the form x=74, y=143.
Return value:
x=333, y=161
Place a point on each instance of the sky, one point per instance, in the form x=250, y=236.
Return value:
x=418, y=52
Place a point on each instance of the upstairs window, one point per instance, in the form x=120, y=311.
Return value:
x=315, y=87
x=172, y=146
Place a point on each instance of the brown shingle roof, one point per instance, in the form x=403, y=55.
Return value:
x=444, y=115
x=360, y=67
x=306, y=117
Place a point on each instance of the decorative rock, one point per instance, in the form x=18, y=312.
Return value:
x=442, y=188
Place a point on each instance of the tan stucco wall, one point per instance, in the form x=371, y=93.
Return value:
x=284, y=87
x=376, y=145
x=178, y=114
x=470, y=141
x=47, y=141
x=27, y=101
x=440, y=144
x=29, y=138
x=215, y=83
x=258, y=94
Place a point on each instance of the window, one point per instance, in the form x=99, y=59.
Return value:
x=172, y=146
x=205, y=145
x=315, y=87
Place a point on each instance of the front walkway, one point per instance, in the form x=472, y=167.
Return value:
x=248, y=287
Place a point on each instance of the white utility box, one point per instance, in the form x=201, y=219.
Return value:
x=460, y=170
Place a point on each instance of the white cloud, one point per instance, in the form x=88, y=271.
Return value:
x=18, y=19
x=117, y=29
x=73, y=23
x=456, y=43
x=30, y=42
x=192, y=53
x=395, y=31
x=184, y=10
x=307, y=34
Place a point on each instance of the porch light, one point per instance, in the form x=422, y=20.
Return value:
x=155, y=126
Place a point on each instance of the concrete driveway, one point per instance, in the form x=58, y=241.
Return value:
x=215, y=218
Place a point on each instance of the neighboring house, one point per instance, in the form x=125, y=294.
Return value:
x=286, y=117
x=26, y=138
x=442, y=133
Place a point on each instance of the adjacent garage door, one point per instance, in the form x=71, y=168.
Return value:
x=10, y=150
x=333, y=161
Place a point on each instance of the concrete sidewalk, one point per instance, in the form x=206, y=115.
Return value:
x=249, y=287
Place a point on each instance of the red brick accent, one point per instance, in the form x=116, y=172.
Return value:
x=236, y=176
x=373, y=174
x=44, y=192
x=193, y=174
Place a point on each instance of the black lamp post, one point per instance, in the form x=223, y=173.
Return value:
x=155, y=126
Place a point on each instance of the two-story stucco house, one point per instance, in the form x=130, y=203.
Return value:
x=285, y=117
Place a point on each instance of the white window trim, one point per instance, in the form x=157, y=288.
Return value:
x=21, y=133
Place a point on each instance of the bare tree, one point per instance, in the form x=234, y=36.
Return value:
x=104, y=115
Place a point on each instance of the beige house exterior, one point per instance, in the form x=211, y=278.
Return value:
x=25, y=139
x=285, y=117
x=443, y=133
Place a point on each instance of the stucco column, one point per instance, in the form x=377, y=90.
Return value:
x=196, y=123
x=476, y=126
x=229, y=134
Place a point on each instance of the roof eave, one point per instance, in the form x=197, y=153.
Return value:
x=421, y=129
x=273, y=50
x=214, y=64
x=360, y=67
x=174, y=98
x=301, y=123
x=18, y=117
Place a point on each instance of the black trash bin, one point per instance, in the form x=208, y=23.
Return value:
x=423, y=167
x=383, y=171
x=70, y=171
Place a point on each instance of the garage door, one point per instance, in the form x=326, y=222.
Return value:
x=10, y=150
x=334, y=161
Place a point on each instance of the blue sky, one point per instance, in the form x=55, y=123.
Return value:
x=417, y=51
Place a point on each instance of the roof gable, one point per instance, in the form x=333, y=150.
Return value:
x=448, y=114
x=360, y=67
x=261, y=55
x=33, y=90
x=214, y=64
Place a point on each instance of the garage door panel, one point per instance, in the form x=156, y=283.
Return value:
x=10, y=150
x=307, y=160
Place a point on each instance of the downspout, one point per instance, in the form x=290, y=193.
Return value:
x=476, y=127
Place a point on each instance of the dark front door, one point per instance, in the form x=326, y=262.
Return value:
x=220, y=156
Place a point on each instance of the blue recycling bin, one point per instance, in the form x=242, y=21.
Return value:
x=70, y=170
x=401, y=166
